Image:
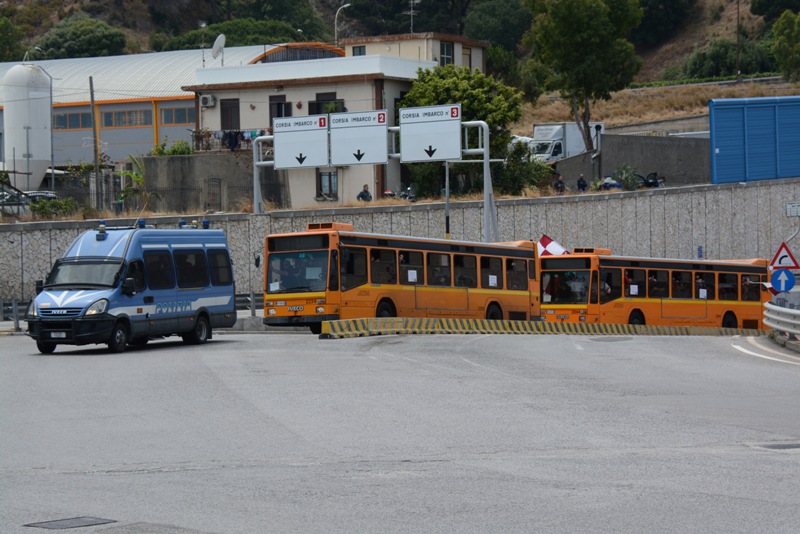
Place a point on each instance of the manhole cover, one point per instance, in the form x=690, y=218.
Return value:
x=73, y=522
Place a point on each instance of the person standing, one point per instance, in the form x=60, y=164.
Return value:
x=581, y=184
x=559, y=185
x=364, y=195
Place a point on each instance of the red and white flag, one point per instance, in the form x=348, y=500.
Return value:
x=548, y=247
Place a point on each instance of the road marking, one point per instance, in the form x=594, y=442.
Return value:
x=754, y=342
x=757, y=355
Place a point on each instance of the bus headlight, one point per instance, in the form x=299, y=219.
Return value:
x=272, y=311
x=269, y=303
x=582, y=318
x=320, y=309
x=97, y=307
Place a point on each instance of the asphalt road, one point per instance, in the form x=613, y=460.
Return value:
x=255, y=433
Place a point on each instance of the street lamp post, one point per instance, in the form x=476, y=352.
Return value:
x=336, y=24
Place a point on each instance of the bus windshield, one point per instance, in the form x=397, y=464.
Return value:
x=92, y=272
x=292, y=272
x=565, y=287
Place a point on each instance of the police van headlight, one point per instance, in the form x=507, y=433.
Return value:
x=33, y=310
x=98, y=307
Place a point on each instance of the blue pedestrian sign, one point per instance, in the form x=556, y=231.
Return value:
x=782, y=280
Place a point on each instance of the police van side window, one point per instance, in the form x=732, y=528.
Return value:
x=220, y=264
x=192, y=268
x=159, y=270
x=136, y=271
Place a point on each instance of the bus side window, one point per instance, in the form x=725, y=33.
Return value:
x=610, y=284
x=466, y=270
x=354, y=267
x=159, y=270
x=516, y=277
x=658, y=284
x=681, y=285
x=728, y=287
x=750, y=288
x=635, y=283
x=439, y=269
x=383, y=268
x=491, y=272
x=333, y=274
x=192, y=268
x=704, y=286
x=411, y=271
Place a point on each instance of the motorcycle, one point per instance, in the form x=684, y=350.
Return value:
x=407, y=194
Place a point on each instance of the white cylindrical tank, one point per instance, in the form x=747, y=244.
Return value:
x=26, y=121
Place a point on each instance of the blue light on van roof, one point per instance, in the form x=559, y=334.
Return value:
x=140, y=223
x=182, y=223
x=206, y=224
x=101, y=231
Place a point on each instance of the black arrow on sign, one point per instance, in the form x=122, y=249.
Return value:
x=301, y=158
x=359, y=155
x=430, y=151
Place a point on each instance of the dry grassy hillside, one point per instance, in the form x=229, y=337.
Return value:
x=710, y=19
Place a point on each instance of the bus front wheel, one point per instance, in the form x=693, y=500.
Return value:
x=316, y=328
x=729, y=321
x=636, y=318
x=385, y=309
x=494, y=313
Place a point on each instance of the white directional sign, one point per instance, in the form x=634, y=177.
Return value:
x=431, y=133
x=359, y=138
x=301, y=142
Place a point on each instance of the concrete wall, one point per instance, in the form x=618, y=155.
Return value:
x=727, y=221
x=681, y=160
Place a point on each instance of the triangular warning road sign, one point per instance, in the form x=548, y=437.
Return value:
x=783, y=259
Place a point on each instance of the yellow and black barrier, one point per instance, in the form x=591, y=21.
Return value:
x=410, y=325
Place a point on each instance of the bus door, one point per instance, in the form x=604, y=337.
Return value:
x=688, y=300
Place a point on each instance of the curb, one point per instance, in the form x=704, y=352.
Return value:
x=401, y=325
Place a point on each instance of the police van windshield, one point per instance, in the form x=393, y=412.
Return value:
x=84, y=272
x=297, y=271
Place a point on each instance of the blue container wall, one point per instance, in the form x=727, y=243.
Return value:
x=754, y=138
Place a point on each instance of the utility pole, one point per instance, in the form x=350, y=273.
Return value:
x=96, y=148
x=738, y=42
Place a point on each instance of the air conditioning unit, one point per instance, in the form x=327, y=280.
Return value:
x=207, y=101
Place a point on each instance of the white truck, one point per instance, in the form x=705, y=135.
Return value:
x=559, y=140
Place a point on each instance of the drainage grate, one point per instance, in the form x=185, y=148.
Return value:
x=73, y=522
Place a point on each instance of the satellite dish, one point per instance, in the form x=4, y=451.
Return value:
x=219, y=45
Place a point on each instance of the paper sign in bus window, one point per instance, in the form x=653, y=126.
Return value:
x=412, y=276
x=492, y=280
x=634, y=290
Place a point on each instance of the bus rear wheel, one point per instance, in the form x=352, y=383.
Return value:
x=636, y=318
x=729, y=321
x=385, y=309
x=494, y=313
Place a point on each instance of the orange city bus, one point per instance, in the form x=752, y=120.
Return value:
x=594, y=286
x=331, y=272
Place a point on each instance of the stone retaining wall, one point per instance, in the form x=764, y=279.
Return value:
x=727, y=221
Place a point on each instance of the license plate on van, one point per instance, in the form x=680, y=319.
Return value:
x=58, y=335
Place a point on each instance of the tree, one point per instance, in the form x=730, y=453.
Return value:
x=81, y=36
x=501, y=22
x=481, y=98
x=298, y=14
x=660, y=20
x=786, y=47
x=239, y=32
x=720, y=59
x=772, y=9
x=10, y=38
x=583, y=43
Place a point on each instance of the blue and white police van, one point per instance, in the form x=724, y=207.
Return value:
x=123, y=286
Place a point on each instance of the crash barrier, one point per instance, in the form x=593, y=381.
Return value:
x=407, y=325
x=782, y=319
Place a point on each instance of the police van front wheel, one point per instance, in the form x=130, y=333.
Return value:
x=199, y=334
x=45, y=348
x=119, y=338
